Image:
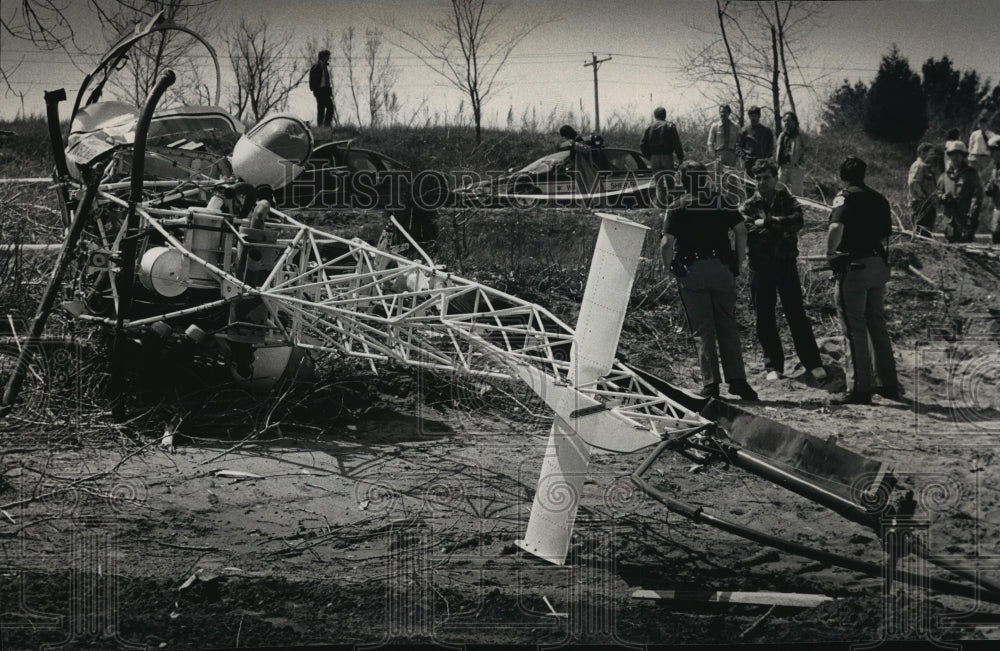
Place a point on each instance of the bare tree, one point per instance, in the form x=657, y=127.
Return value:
x=46, y=25
x=382, y=76
x=780, y=20
x=468, y=47
x=161, y=50
x=721, y=11
x=350, y=58
x=755, y=44
x=266, y=72
x=44, y=22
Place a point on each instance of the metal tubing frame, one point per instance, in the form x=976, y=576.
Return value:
x=700, y=515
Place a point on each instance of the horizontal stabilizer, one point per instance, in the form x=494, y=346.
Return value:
x=597, y=425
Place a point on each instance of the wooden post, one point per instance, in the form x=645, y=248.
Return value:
x=596, y=63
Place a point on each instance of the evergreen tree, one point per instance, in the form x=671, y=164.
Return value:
x=845, y=107
x=953, y=99
x=896, y=109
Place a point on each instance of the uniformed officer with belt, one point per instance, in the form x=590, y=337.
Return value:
x=860, y=225
x=695, y=247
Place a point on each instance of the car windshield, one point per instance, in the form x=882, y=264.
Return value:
x=545, y=164
x=621, y=159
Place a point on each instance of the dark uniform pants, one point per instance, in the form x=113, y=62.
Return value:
x=861, y=306
x=708, y=293
x=768, y=280
x=324, y=106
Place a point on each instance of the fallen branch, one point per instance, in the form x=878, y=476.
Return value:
x=916, y=272
x=793, y=599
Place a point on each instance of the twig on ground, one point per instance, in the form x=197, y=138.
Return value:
x=190, y=548
x=757, y=622
x=243, y=442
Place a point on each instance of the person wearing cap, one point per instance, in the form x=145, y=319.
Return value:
x=322, y=89
x=860, y=226
x=661, y=144
x=979, y=152
x=791, y=154
x=952, y=135
x=695, y=248
x=960, y=194
x=773, y=218
x=921, y=184
x=756, y=141
x=992, y=188
x=723, y=137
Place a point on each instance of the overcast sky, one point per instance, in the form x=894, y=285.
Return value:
x=647, y=40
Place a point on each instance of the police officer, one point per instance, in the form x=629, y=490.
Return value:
x=695, y=247
x=860, y=225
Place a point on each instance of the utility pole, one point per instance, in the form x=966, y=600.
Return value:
x=597, y=105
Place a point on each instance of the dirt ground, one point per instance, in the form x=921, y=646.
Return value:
x=389, y=515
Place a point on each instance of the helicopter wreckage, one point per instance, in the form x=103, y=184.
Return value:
x=172, y=236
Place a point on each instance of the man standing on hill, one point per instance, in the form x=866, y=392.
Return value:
x=660, y=143
x=722, y=138
x=791, y=154
x=992, y=189
x=960, y=193
x=696, y=248
x=756, y=141
x=921, y=184
x=979, y=153
x=322, y=89
x=773, y=217
x=860, y=226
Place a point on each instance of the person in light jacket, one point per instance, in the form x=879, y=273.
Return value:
x=791, y=154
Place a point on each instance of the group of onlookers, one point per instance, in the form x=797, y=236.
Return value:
x=732, y=146
x=959, y=188
x=706, y=241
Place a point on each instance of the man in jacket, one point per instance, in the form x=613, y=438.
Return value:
x=921, y=185
x=860, y=226
x=756, y=141
x=960, y=193
x=722, y=138
x=661, y=143
x=773, y=218
x=322, y=89
x=695, y=247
